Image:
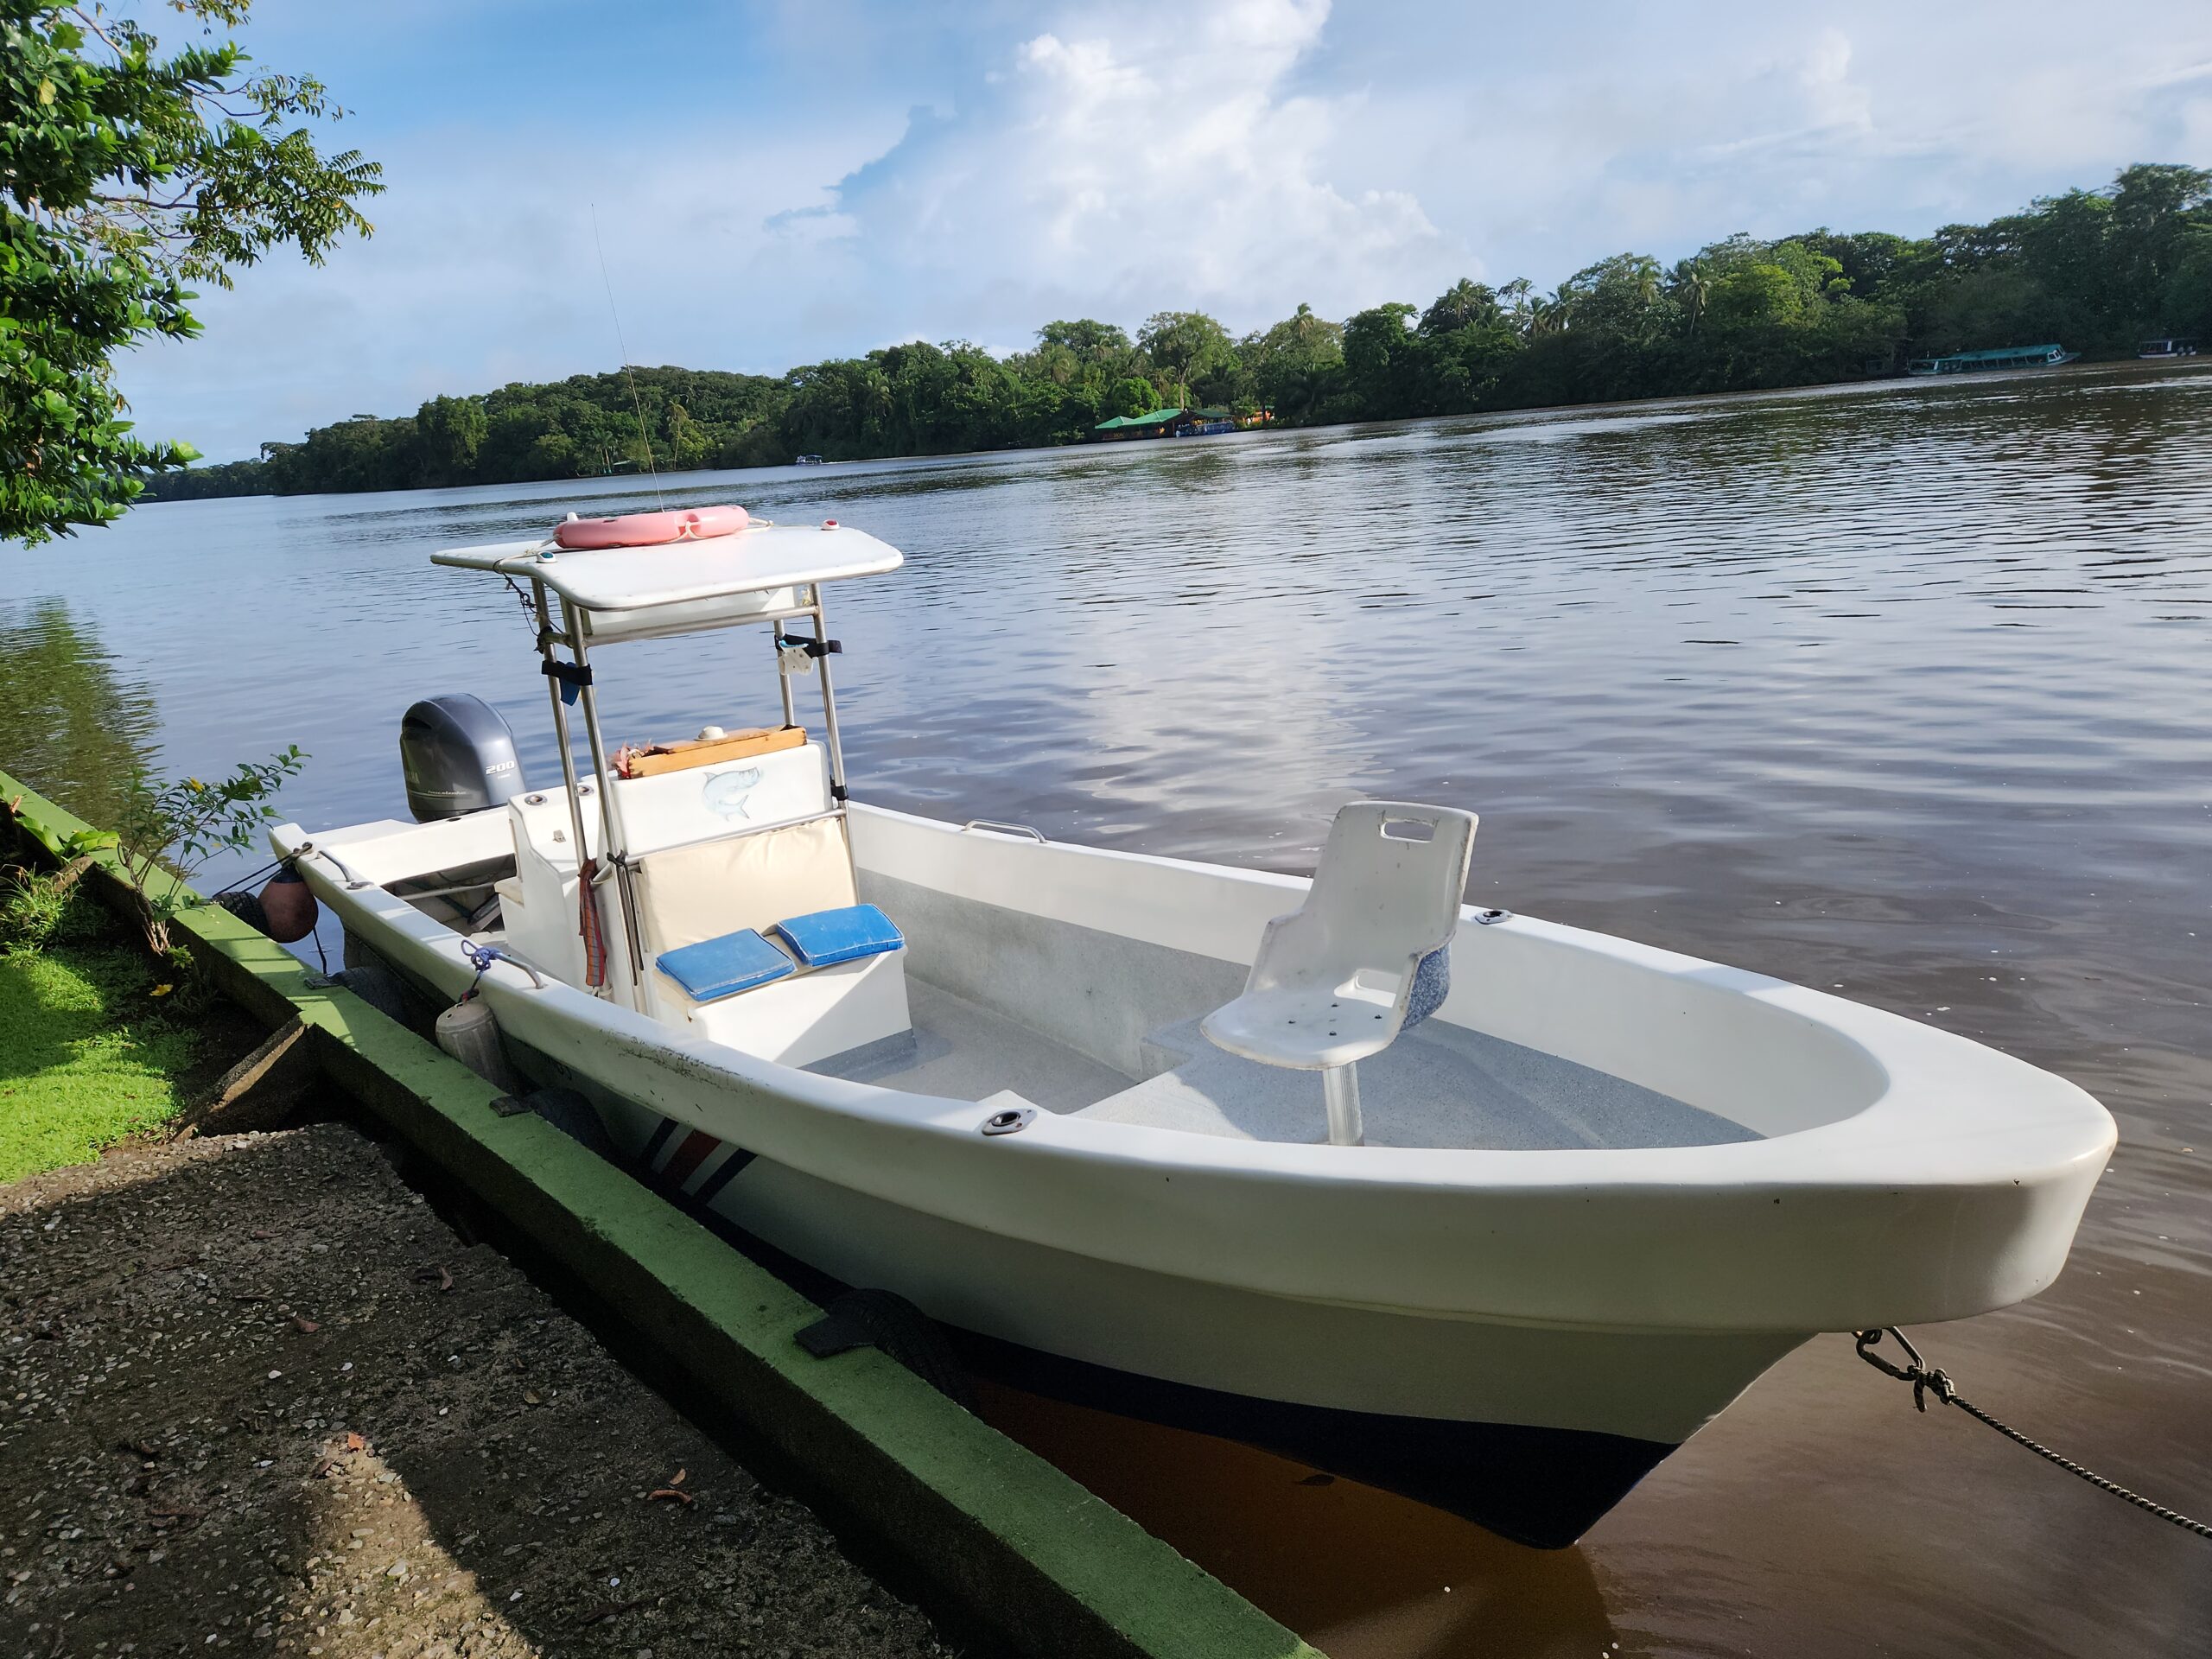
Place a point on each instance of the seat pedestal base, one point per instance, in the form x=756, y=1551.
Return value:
x=1340, y=1094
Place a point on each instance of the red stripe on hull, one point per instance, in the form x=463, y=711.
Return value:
x=697, y=1148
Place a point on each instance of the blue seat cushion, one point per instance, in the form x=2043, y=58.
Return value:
x=723, y=967
x=842, y=934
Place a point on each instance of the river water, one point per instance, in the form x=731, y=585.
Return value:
x=1900, y=690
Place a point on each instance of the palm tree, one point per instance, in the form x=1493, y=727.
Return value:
x=1465, y=301
x=1515, y=294
x=1693, y=288
x=1647, y=280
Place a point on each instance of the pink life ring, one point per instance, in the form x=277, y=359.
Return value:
x=650, y=528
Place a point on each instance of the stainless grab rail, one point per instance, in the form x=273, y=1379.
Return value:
x=308, y=849
x=998, y=827
x=747, y=827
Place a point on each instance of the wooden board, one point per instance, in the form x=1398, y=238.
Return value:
x=708, y=751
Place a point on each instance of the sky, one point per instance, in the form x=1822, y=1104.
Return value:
x=775, y=184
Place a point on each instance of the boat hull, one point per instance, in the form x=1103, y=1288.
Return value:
x=1530, y=1432
x=1538, y=1487
x=1517, y=1335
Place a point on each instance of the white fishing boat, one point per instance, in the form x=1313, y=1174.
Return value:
x=1475, y=1207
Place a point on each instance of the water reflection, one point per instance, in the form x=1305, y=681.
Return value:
x=1900, y=690
x=1361, y=1573
x=70, y=725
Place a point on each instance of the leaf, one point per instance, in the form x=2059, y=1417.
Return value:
x=161, y=990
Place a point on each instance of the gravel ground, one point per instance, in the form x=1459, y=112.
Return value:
x=255, y=1394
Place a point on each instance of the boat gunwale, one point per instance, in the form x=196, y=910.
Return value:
x=1889, y=1042
x=1798, y=1231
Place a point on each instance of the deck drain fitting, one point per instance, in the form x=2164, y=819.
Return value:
x=1492, y=917
x=1010, y=1122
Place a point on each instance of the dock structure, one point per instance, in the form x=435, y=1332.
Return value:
x=983, y=1532
x=1999, y=357
x=1153, y=423
x=1180, y=420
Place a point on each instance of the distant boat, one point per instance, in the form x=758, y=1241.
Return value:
x=2165, y=349
x=2002, y=356
x=806, y=461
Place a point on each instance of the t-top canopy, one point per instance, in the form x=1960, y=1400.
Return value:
x=759, y=559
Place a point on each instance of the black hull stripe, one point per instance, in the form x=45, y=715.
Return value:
x=729, y=1169
x=1543, y=1487
x=650, y=1155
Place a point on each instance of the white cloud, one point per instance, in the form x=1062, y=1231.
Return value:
x=483, y=270
x=1165, y=162
x=974, y=179
x=1114, y=165
x=1546, y=146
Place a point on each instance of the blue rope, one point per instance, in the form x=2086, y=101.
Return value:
x=481, y=957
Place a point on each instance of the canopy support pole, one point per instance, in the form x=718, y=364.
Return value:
x=545, y=637
x=616, y=841
x=837, y=797
x=783, y=680
x=829, y=698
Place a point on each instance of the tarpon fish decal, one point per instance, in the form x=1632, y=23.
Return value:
x=724, y=792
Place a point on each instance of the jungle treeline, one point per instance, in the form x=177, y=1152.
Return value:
x=2095, y=270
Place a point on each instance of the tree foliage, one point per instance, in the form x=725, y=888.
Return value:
x=123, y=174
x=166, y=831
x=2094, y=269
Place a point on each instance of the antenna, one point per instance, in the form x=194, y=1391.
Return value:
x=644, y=437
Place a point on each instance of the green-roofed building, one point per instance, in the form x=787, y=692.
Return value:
x=1178, y=422
x=1154, y=424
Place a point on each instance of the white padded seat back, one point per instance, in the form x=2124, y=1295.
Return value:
x=727, y=798
x=714, y=888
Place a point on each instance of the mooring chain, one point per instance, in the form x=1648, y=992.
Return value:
x=1927, y=1379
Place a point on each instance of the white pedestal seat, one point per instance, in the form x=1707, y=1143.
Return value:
x=1339, y=977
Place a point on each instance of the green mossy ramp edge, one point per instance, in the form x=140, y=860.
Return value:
x=1018, y=1545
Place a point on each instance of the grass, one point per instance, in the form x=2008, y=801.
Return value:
x=87, y=1058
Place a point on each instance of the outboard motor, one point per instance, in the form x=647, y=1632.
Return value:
x=458, y=756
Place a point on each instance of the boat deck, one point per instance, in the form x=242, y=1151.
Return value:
x=960, y=1052
x=1438, y=1086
